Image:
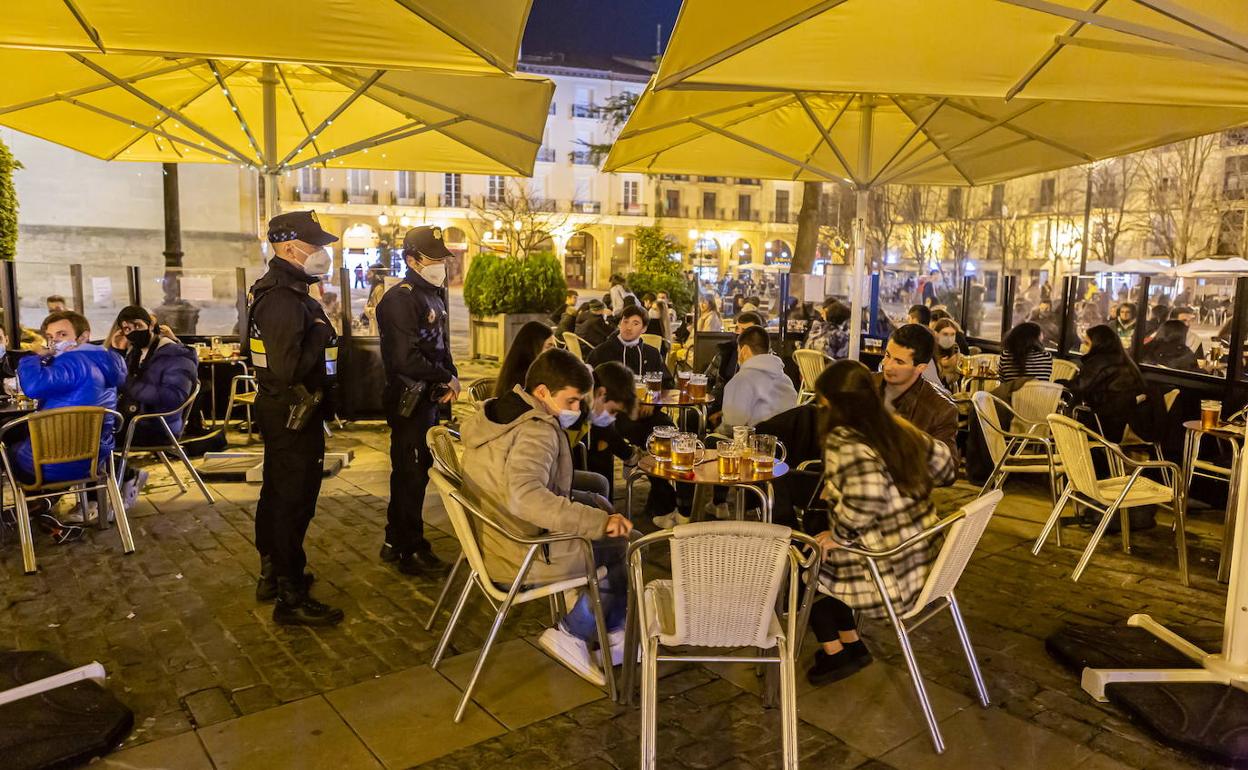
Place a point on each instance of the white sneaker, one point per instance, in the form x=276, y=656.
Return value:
x=76, y=516
x=669, y=520
x=616, y=638
x=130, y=490
x=571, y=652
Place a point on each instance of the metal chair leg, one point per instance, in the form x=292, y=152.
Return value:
x=788, y=704
x=916, y=678
x=499, y=617
x=446, y=589
x=604, y=638
x=450, y=625
x=119, y=512
x=958, y=623
x=22, y=512
x=1180, y=534
x=1054, y=518
x=1096, y=539
x=199, y=482
x=168, y=465
x=649, y=701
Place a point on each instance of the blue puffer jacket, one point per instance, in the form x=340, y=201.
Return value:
x=161, y=383
x=88, y=375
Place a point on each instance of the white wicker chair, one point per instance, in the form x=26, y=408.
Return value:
x=466, y=519
x=1074, y=445
x=447, y=451
x=726, y=582
x=576, y=345
x=964, y=529
x=1035, y=400
x=1027, y=447
x=653, y=340
x=811, y=364
x=1063, y=370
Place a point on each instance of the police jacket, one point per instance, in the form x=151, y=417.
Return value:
x=289, y=337
x=410, y=320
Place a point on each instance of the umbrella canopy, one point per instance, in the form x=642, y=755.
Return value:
x=146, y=108
x=482, y=36
x=1146, y=51
x=868, y=139
x=1204, y=267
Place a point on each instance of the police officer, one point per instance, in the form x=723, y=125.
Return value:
x=294, y=351
x=420, y=376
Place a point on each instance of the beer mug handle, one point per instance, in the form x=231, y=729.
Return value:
x=699, y=452
x=650, y=443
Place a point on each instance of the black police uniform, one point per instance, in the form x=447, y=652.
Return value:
x=411, y=321
x=293, y=349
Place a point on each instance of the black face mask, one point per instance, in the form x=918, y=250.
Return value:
x=140, y=338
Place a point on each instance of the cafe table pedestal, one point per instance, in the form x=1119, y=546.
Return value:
x=1228, y=667
x=675, y=399
x=1232, y=436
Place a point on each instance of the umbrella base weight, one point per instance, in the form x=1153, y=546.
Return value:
x=249, y=466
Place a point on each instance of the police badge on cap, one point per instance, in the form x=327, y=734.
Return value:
x=425, y=241
x=299, y=226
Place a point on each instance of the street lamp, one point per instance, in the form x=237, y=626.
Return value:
x=405, y=221
x=619, y=240
x=383, y=220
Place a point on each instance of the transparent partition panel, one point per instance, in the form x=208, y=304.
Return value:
x=105, y=291
x=1204, y=307
x=193, y=301
x=39, y=281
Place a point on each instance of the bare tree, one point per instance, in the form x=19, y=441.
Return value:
x=520, y=222
x=1112, y=217
x=836, y=222
x=881, y=222
x=918, y=211
x=961, y=227
x=1180, y=198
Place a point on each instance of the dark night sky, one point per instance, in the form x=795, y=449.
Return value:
x=605, y=27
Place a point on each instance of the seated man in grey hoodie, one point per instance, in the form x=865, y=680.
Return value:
x=760, y=389
x=520, y=465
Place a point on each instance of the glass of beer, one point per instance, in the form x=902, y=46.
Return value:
x=682, y=381
x=660, y=443
x=685, y=452
x=1210, y=414
x=741, y=435
x=654, y=385
x=697, y=386
x=730, y=454
x=762, y=454
x=640, y=386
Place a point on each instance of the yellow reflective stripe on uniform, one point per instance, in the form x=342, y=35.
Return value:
x=331, y=354
x=257, y=345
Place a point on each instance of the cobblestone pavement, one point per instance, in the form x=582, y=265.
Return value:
x=186, y=646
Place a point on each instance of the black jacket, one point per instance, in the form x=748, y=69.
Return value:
x=293, y=329
x=640, y=359
x=591, y=328
x=410, y=320
x=1111, y=388
x=1177, y=356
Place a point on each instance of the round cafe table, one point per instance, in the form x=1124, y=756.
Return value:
x=674, y=399
x=705, y=472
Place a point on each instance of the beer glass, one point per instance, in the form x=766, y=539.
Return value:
x=660, y=443
x=730, y=454
x=762, y=454
x=697, y=386
x=741, y=436
x=1210, y=414
x=682, y=381
x=685, y=452
x=654, y=385
x=639, y=385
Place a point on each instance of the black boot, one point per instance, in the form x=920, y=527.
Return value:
x=266, y=585
x=294, y=607
x=832, y=668
x=422, y=562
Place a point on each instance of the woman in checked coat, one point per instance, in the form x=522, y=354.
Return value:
x=878, y=473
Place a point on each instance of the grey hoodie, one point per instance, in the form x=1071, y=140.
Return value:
x=758, y=391
x=518, y=468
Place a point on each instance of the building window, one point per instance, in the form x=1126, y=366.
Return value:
x=671, y=202
x=582, y=110
x=1235, y=137
x=582, y=158
x=632, y=192
x=451, y=186
x=709, y=208
x=996, y=204
x=357, y=182
x=782, y=205
x=405, y=185
x=1231, y=232
x=553, y=107
x=1048, y=192
x=953, y=204
x=309, y=180
x=495, y=188
x=1105, y=194
x=546, y=154
x=745, y=207
x=1235, y=179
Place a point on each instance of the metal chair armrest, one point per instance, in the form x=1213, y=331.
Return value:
x=515, y=536
x=939, y=526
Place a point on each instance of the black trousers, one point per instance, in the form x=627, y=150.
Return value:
x=293, y=465
x=829, y=616
x=410, y=461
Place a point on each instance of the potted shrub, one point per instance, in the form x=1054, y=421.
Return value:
x=504, y=293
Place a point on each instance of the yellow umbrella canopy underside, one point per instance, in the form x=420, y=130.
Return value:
x=145, y=108
x=914, y=139
x=1134, y=51
x=477, y=36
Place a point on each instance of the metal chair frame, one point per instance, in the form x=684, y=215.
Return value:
x=808, y=361
x=518, y=591
x=1119, y=461
x=1015, y=458
x=441, y=440
x=247, y=398
x=481, y=389
x=576, y=344
x=787, y=645
x=96, y=479
x=931, y=600
x=174, y=445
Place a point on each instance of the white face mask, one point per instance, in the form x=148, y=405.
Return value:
x=568, y=417
x=317, y=262
x=62, y=346
x=434, y=274
x=602, y=419
x=946, y=342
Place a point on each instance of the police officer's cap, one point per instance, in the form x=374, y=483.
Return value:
x=299, y=226
x=425, y=241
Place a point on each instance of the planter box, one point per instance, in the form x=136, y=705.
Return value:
x=491, y=336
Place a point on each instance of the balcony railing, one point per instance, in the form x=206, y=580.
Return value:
x=310, y=196
x=587, y=207
x=712, y=179
x=674, y=177
x=583, y=111
x=747, y=215
x=630, y=209
x=546, y=154
x=781, y=217
x=544, y=204
x=710, y=213
x=750, y=181
x=454, y=201
x=581, y=158
x=369, y=196
x=416, y=199
x=665, y=210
